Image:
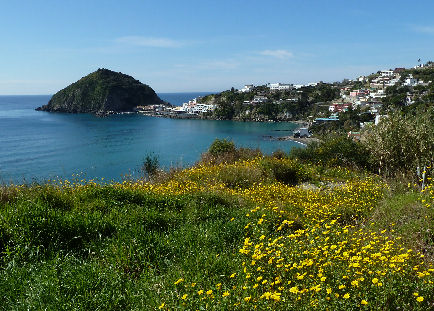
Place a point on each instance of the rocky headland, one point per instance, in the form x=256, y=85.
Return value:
x=103, y=92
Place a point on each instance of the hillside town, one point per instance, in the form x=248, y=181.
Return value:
x=368, y=98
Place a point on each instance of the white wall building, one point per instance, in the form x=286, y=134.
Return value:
x=201, y=108
x=247, y=88
x=410, y=81
x=386, y=73
x=259, y=99
x=279, y=86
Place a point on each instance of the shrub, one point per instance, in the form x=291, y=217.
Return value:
x=335, y=150
x=224, y=151
x=150, y=165
x=399, y=144
x=236, y=176
x=287, y=172
x=220, y=146
x=279, y=154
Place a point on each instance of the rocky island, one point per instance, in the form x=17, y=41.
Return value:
x=103, y=92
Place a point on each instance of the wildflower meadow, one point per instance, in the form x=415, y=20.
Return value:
x=258, y=234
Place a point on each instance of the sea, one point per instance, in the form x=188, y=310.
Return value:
x=37, y=146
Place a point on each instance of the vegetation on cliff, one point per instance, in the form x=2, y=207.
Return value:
x=102, y=91
x=285, y=105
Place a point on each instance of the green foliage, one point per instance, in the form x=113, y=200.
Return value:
x=150, y=165
x=287, y=172
x=224, y=151
x=403, y=212
x=220, y=146
x=225, y=110
x=239, y=176
x=281, y=105
x=335, y=150
x=398, y=144
x=348, y=121
x=325, y=93
x=269, y=110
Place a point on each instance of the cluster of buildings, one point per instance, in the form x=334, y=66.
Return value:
x=372, y=97
x=193, y=107
x=277, y=86
x=386, y=78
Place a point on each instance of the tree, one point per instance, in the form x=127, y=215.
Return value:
x=399, y=143
x=225, y=110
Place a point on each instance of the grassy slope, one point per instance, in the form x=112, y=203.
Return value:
x=124, y=246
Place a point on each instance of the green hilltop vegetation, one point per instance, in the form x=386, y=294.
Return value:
x=316, y=229
x=285, y=105
x=102, y=91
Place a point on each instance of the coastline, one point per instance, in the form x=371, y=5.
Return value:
x=300, y=123
x=302, y=141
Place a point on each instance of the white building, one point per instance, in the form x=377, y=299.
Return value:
x=201, y=108
x=259, y=99
x=392, y=82
x=386, y=73
x=247, y=88
x=378, y=94
x=279, y=86
x=410, y=81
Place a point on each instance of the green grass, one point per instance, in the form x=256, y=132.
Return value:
x=405, y=214
x=110, y=249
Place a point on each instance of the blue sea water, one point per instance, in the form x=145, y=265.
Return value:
x=37, y=145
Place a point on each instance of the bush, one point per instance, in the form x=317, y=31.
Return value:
x=237, y=176
x=399, y=144
x=335, y=150
x=279, y=154
x=150, y=165
x=287, y=172
x=220, y=146
x=224, y=151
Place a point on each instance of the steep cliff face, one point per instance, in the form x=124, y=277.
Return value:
x=102, y=91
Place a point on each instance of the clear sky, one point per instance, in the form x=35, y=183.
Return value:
x=203, y=45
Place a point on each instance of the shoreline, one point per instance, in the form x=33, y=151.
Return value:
x=301, y=123
x=302, y=141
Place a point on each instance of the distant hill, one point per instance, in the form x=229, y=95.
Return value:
x=100, y=92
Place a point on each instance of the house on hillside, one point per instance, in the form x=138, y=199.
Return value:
x=332, y=118
x=247, y=88
x=279, y=86
x=410, y=81
x=339, y=107
x=259, y=99
x=386, y=73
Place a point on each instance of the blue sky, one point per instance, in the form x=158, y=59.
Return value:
x=177, y=46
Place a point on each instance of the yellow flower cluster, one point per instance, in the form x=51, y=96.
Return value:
x=311, y=257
